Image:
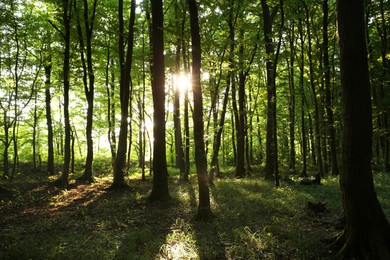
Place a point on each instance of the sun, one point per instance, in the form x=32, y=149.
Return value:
x=183, y=82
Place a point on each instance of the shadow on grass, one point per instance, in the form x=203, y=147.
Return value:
x=270, y=223
x=154, y=235
x=85, y=222
x=254, y=221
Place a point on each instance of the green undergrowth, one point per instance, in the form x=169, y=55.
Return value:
x=254, y=220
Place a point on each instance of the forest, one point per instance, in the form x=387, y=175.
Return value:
x=185, y=129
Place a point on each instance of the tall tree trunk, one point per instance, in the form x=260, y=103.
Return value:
x=141, y=137
x=238, y=152
x=142, y=111
x=66, y=16
x=314, y=92
x=130, y=128
x=261, y=155
x=302, y=94
x=232, y=119
x=214, y=167
x=367, y=231
x=186, y=173
x=160, y=171
x=125, y=60
x=72, y=151
x=292, y=157
x=180, y=163
x=311, y=144
x=328, y=94
x=240, y=115
x=6, y=142
x=204, y=209
x=35, y=131
x=50, y=136
x=89, y=82
x=242, y=108
x=271, y=165
x=110, y=88
x=16, y=75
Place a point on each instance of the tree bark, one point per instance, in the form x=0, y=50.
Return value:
x=302, y=94
x=143, y=129
x=125, y=59
x=89, y=83
x=292, y=155
x=214, y=167
x=271, y=94
x=35, y=142
x=66, y=16
x=204, y=209
x=50, y=136
x=317, y=138
x=328, y=95
x=271, y=165
x=186, y=173
x=367, y=231
x=180, y=163
x=110, y=88
x=160, y=171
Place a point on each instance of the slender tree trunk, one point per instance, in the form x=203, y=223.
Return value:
x=367, y=231
x=67, y=13
x=142, y=111
x=217, y=141
x=7, y=143
x=240, y=116
x=232, y=119
x=16, y=75
x=204, y=209
x=271, y=165
x=328, y=95
x=311, y=144
x=239, y=153
x=314, y=92
x=50, y=136
x=110, y=88
x=248, y=143
x=302, y=94
x=184, y=177
x=141, y=138
x=35, y=131
x=241, y=119
x=292, y=157
x=180, y=163
x=261, y=155
x=89, y=82
x=125, y=59
x=72, y=151
x=130, y=128
x=160, y=171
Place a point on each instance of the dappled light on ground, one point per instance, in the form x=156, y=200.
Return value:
x=180, y=243
x=253, y=221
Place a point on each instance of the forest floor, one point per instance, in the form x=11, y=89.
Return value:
x=254, y=220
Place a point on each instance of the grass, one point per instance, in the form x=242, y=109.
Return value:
x=253, y=220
